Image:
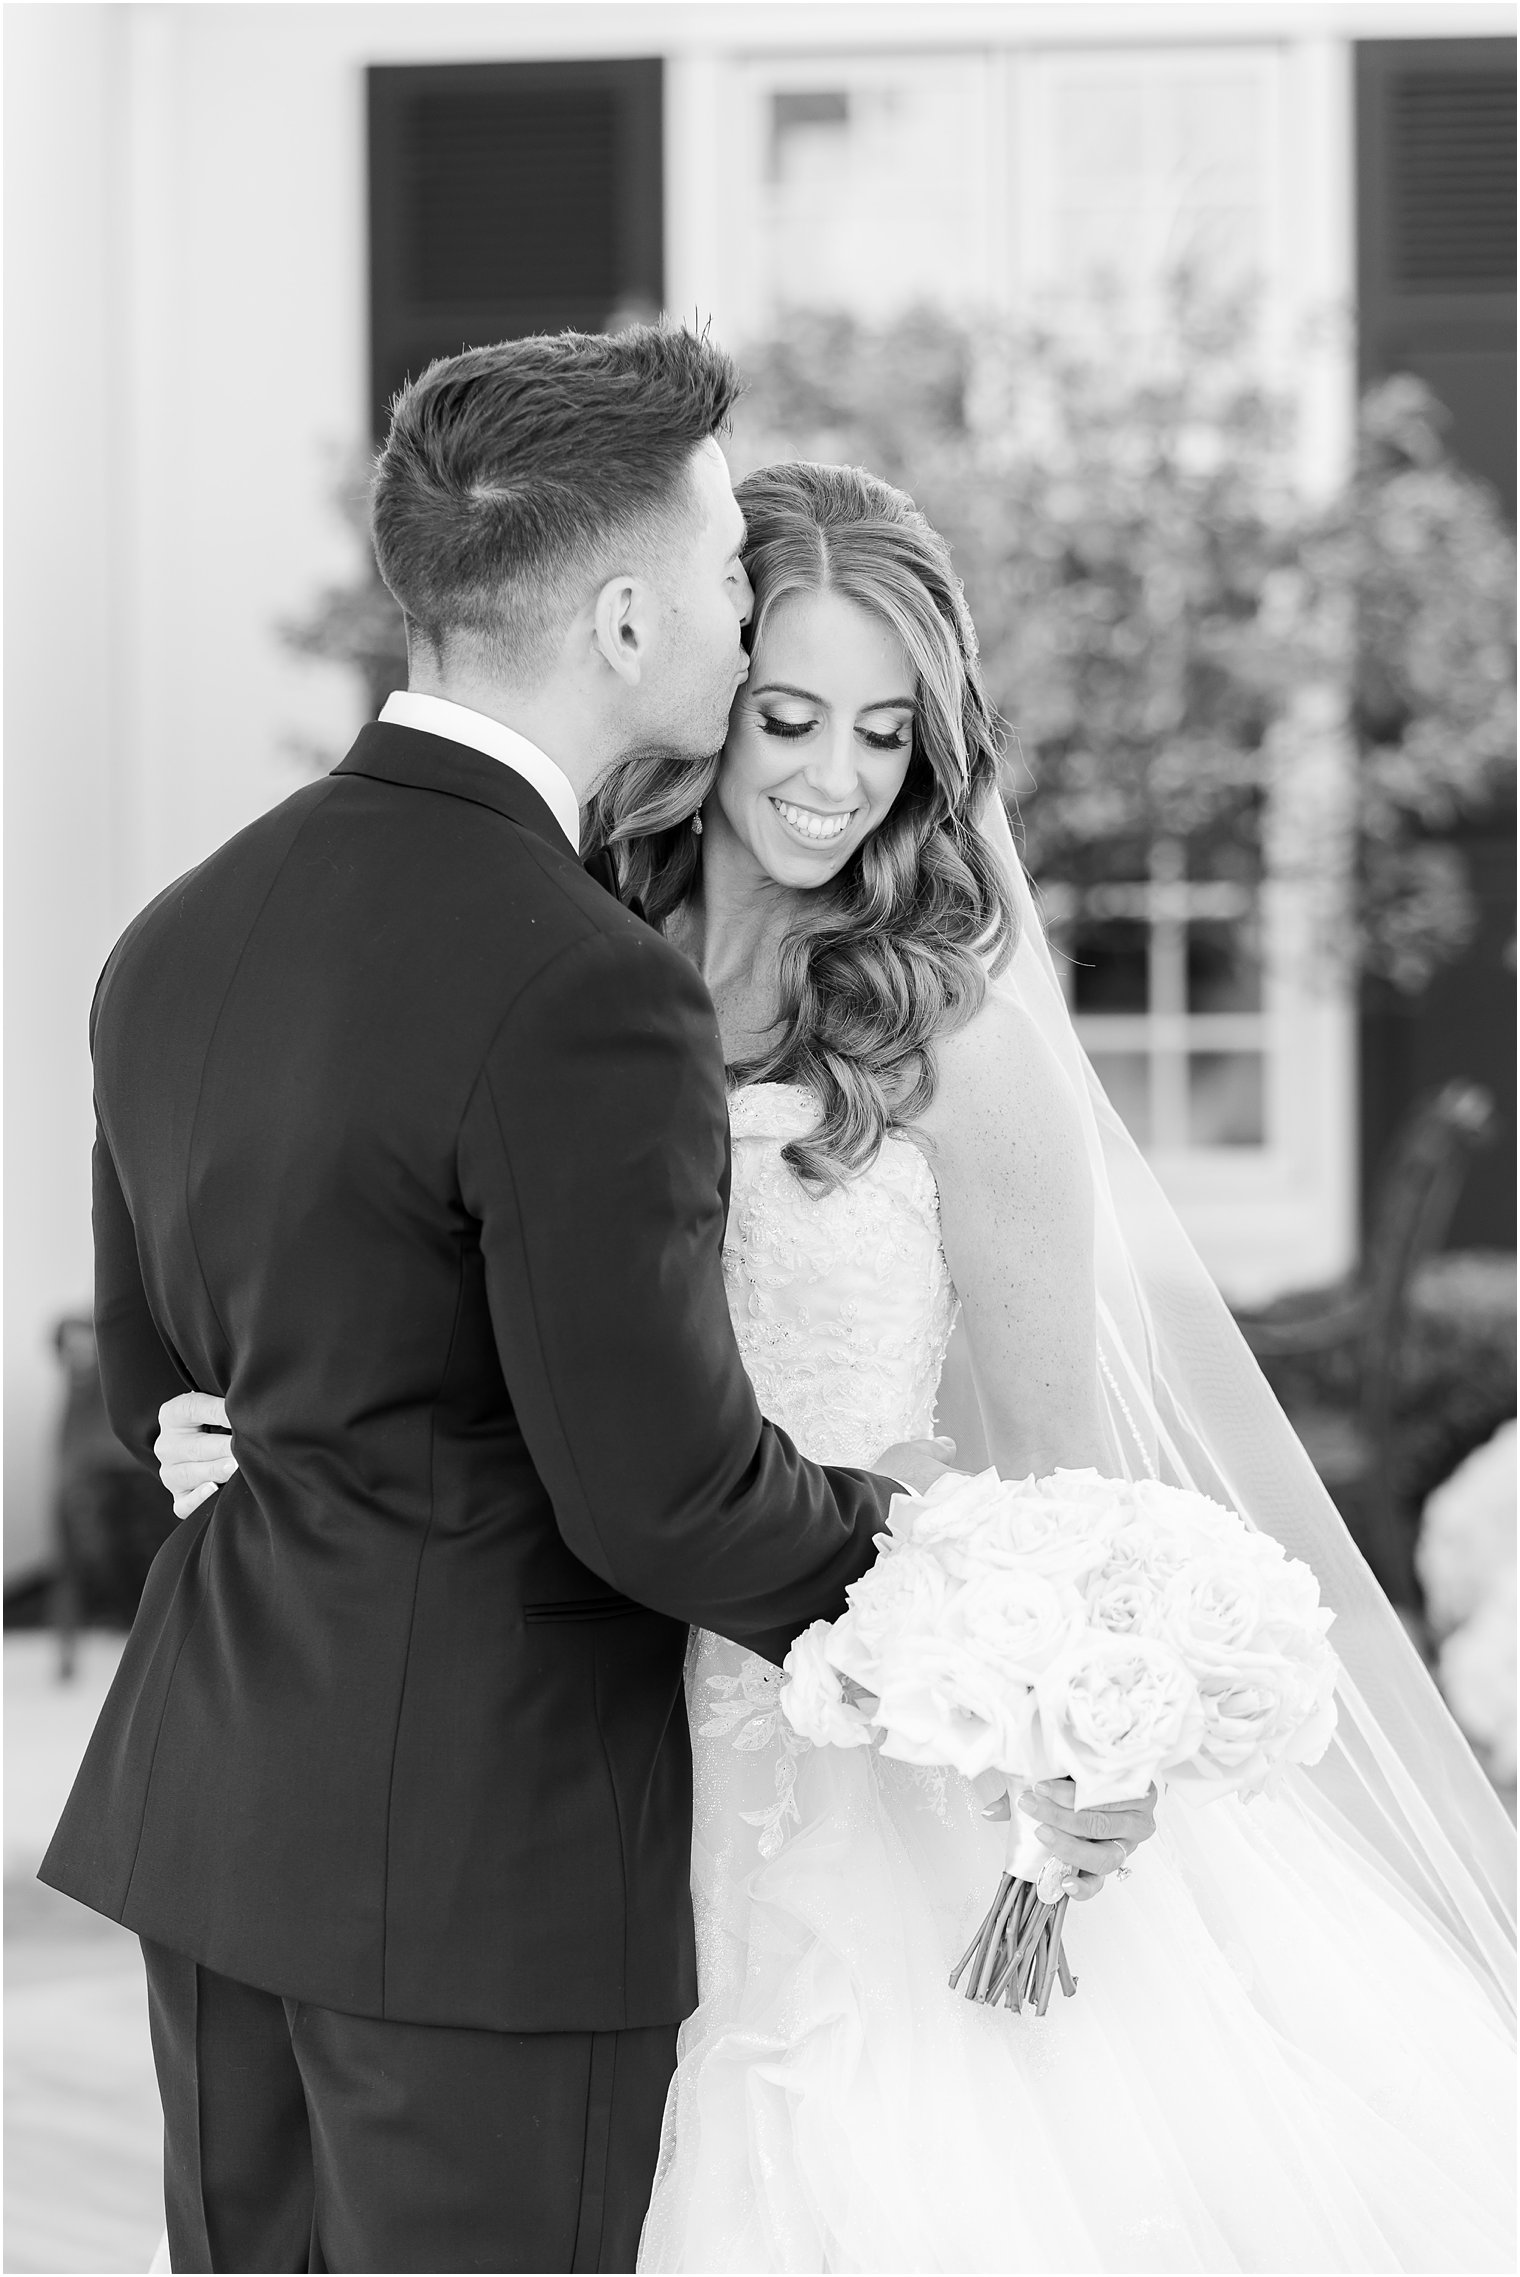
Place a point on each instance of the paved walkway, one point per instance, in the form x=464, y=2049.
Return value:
x=83, y=2146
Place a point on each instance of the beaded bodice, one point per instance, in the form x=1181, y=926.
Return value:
x=842, y=1302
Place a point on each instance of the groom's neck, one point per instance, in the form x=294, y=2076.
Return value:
x=554, y=716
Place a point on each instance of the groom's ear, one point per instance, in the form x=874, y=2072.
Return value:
x=621, y=627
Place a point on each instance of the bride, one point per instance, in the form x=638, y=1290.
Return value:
x=1292, y=2044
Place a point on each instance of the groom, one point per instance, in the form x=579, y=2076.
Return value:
x=412, y=1145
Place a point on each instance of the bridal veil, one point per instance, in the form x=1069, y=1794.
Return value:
x=1182, y=1399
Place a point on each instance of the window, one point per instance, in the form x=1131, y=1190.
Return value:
x=1155, y=167
x=1130, y=166
x=866, y=184
x=1164, y=977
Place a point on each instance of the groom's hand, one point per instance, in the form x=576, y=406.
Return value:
x=916, y=1463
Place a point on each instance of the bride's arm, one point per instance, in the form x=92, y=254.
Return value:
x=1005, y=1143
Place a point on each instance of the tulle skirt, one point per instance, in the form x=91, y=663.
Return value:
x=1271, y=2062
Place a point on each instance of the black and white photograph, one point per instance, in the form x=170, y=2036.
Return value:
x=760, y=1297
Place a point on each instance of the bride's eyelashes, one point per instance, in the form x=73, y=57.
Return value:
x=791, y=729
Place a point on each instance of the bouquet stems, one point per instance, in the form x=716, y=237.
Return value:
x=1015, y=1958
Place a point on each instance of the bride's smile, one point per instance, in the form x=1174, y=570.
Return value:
x=818, y=829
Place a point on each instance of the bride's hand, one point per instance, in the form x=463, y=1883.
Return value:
x=916, y=1463
x=191, y=1461
x=1095, y=1843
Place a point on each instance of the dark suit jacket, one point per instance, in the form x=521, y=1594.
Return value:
x=413, y=1145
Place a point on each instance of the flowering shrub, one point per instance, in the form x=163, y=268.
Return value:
x=1456, y=1371
x=1466, y=1559
x=1431, y=563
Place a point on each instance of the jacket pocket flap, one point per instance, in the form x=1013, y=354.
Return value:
x=582, y=1609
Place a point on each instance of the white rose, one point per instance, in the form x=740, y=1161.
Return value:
x=1210, y=1618
x=1089, y=1490
x=1015, y=1620
x=1125, y=1603
x=1312, y=1709
x=1241, y=1717
x=1140, y=1551
x=1089, y=1504
x=941, y=1703
x=812, y=1698
x=1290, y=1601
x=905, y=1589
x=1114, y=1713
x=948, y=1511
x=1180, y=1509
x=1062, y=1541
x=1211, y=1609
x=1262, y=1711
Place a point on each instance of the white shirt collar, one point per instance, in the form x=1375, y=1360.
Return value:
x=437, y=715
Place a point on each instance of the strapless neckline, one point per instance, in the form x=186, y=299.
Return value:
x=789, y=1111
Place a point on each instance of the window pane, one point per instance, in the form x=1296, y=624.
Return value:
x=1125, y=1076
x=792, y=118
x=1226, y=1099
x=1224, y=966
x=1109, y=965
x=1156, y=161
x=872, y=185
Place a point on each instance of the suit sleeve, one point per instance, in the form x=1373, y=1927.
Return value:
x=594, y=1155
x=137, y=1370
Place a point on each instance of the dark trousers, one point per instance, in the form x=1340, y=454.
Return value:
x=299, y=2138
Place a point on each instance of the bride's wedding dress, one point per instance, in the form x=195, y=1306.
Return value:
x=1270, y=2063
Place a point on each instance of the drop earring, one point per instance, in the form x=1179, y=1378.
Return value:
x=696, y=825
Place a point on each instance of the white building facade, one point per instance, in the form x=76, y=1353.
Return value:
x=189, y=371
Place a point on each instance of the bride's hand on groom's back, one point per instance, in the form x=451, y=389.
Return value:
x=194, y=1458
x=916, y=1463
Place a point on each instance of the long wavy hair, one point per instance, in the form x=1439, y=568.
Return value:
x=897, y=948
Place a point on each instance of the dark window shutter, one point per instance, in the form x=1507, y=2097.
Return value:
x=505, y=199
x=1435, y=132
x=1452, y=136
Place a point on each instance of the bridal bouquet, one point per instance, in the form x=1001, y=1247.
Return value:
x=1073, y=1627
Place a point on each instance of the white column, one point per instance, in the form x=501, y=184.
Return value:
x=1322, y=235
x=700, y=261
x=62, y=699
x=150, y=319
x=1320, y=277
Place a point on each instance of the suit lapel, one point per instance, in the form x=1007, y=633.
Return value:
x=421, y=762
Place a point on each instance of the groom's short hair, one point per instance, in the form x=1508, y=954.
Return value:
x=512, y=475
